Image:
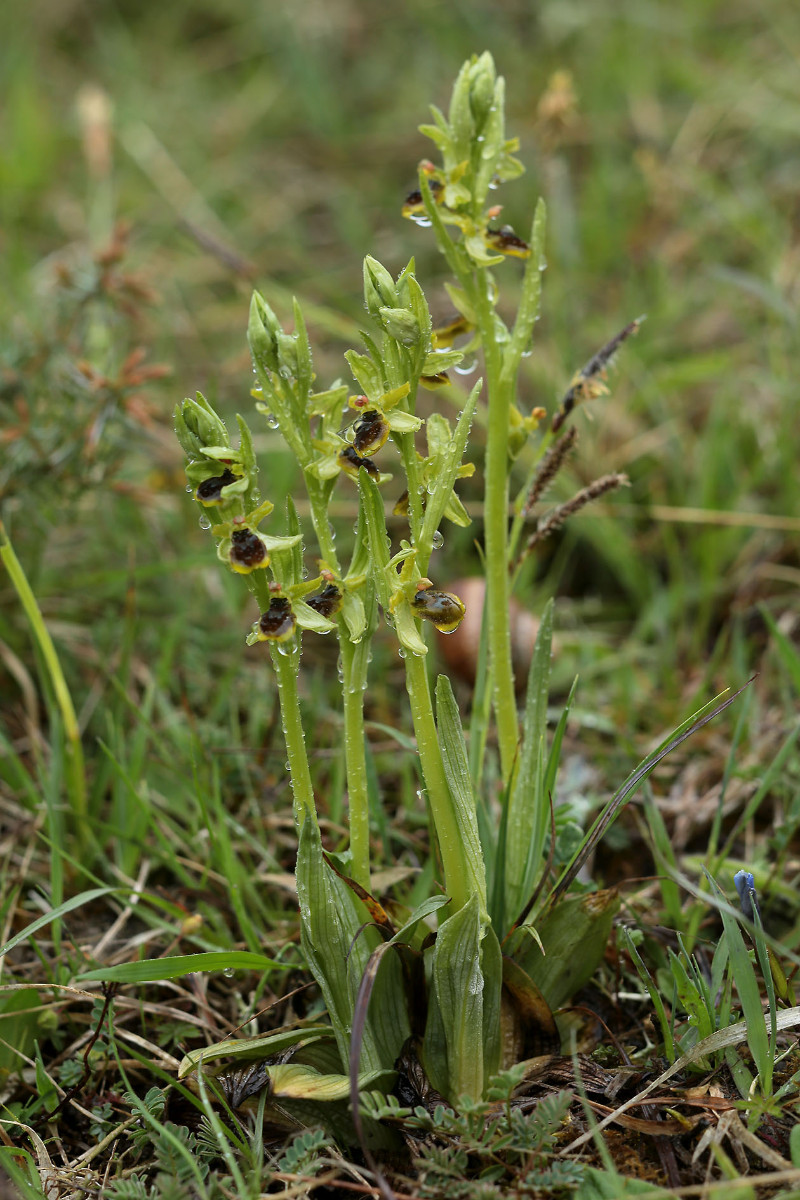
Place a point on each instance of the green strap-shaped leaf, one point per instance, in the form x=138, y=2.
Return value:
x=337, y=948
x=573, y=934
x=466, y=974
x=304, y=1083
x=456, y=769
x=152, y=969
x=262, y=1046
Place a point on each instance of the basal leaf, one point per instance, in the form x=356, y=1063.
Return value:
x=183, y=964
x=573, y=935
x=466, y=978
x=456, y=769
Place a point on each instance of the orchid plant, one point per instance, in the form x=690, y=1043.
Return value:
x=468, y=989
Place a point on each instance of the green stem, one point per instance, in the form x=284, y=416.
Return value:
x=354, y=676
x=286, y=666
x=73, y=750
x=355, y=663
x=456, y=873
x=496, y=537
x=318, y=498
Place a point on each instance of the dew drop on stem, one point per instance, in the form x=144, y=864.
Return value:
x=437, y=540
x=204, y=523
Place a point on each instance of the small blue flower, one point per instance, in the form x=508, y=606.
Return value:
x=745, y=885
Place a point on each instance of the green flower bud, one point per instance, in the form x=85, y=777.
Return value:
x=482, y=89
x=203, y=422
x=379, y=287
x=400, y=324
x=189, y=441
x=262, y=334
x=202, y=419
x=287, y=355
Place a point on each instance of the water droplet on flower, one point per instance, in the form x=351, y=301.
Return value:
x=423, y=222
x=189, y=488
x=401, y=652
x=542, y=263
x=228, y=972
x=526, y=353
x=287, y=766
x=286, y=648
x=204, y=523
x=272, y=421
x=437, y=540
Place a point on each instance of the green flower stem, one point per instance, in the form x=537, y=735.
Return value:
x=456, y=872
x=318, y=498
x=355, y=659
x=75, y=772
x=355, y=662
x=496, y=536
x=286, y=668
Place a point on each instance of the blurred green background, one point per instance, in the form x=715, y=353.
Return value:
x=272, y=143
